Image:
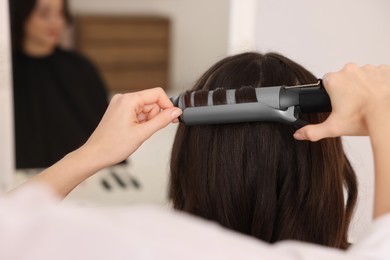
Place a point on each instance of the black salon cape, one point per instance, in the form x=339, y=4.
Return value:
x=58, y=102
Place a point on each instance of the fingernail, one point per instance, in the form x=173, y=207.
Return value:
x=298, y=136
x=176, y=113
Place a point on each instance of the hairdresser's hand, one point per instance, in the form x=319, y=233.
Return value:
x=358, y=95
x=129, y=120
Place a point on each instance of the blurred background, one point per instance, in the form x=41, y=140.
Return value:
x=137, y=44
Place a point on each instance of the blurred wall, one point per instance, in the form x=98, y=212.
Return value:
x=242, y=27
x=323, y=36
x=199, y=30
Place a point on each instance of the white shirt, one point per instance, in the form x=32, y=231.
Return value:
x=33, y=225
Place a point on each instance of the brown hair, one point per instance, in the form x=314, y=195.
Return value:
x=254, y=178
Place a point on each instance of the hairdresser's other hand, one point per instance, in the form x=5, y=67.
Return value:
x=358, y=95
x=130, y=119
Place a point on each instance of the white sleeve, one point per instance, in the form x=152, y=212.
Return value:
x=376, y=243
x=34, y=226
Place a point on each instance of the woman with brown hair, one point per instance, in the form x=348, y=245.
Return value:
x=59, y=96
x=255, y=178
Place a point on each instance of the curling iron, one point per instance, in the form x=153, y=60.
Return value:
x=282, y=104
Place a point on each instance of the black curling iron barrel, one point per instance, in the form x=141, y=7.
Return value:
x=281, y=104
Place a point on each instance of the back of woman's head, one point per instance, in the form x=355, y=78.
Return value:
x=254, y=177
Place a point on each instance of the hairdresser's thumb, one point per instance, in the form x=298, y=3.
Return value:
x=160, y=121
x=313, y=132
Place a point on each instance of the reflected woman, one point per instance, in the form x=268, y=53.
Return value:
x=59, y=97
x=255, y=178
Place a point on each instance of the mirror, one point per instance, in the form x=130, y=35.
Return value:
x=133, y=45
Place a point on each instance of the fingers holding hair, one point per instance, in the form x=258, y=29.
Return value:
x=161, y=120
x=154, y=96
x=154, y=111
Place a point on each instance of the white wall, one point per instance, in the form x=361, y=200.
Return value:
x=6, y=121
x=242, y=27
x=199, y=30
x=323, y=36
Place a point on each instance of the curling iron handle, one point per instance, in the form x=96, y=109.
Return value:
x=314, y=100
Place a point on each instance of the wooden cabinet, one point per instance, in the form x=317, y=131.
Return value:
x=132, y=53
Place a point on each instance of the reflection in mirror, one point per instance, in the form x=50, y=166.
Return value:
x=61, y=93
x=132, y=52
x=55, y=110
